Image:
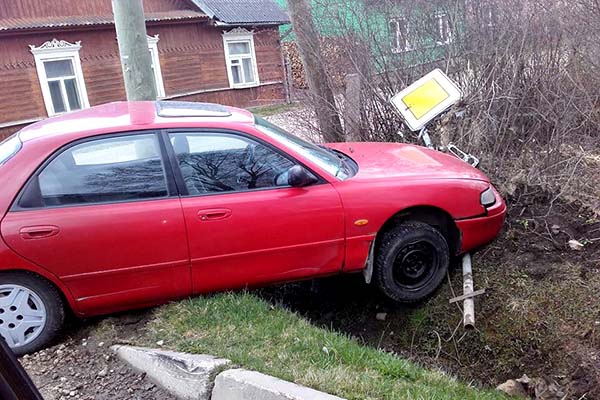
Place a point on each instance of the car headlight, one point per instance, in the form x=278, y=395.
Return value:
x=488, y=198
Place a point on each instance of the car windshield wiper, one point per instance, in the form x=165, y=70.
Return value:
x=341, y=158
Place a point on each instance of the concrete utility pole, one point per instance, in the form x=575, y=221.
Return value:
x=314, y=68
x=133, y=48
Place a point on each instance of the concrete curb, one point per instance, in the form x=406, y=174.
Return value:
x=187, y=376
x=241, y=384
x=204, y=377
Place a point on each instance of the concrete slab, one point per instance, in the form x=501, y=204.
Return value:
x=240, y=384
x=187, y=376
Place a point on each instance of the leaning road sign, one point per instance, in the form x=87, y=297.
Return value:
x=426, y=99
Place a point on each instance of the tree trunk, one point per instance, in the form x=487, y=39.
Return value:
x=133, y=48
x=309, y=47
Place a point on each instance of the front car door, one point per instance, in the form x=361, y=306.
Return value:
x=246, y=225
x=104, y=216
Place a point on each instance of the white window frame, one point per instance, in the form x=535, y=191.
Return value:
x=489, y=15
x=396, y=47
x=57, y=50
x=158, y=80
x=240, y=35
x=485, y=12
x=444, y=29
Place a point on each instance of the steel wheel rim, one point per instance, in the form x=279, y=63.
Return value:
x=415, y=265
x=22, y=315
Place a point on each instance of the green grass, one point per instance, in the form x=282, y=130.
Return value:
x=259, y=336
x=267, y=111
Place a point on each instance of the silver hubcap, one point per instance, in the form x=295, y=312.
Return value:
x=22, y=315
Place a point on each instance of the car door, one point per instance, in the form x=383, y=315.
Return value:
x=104, y=216
x=246, y=225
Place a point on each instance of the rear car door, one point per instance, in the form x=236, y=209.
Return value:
x=246, y=225
x=103, y=215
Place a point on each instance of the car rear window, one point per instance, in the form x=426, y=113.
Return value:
x=123, y=168
x=9, y=148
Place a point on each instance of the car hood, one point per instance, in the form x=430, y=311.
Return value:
x=395, y=160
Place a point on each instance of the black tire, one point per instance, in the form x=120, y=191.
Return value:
x=52, y=301
x=411, y=262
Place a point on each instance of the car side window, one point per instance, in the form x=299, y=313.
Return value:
x=220, y=163
x=124, y=168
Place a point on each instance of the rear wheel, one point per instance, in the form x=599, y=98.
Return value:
x=31, y=312
x=411, y=262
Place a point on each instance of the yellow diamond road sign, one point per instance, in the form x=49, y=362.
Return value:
x=426, y=99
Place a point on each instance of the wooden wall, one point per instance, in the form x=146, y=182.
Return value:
x=192, y=60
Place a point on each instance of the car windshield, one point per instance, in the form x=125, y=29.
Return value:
x=324, y=157
x=9, y=148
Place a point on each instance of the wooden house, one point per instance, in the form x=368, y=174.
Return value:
x=58, y=56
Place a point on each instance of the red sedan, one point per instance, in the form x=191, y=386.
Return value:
x=130, y=205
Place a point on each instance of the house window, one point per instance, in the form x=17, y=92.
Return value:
x=483, y=12
x=60, y=75
x=153, y=47
x=399, y=32
x=443, y=29
x=240, y=58
x=489, y=15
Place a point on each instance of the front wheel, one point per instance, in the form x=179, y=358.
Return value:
x=411, y=262
x=31, y=312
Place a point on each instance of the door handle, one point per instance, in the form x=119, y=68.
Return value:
x=214, y=215
x=39, y=232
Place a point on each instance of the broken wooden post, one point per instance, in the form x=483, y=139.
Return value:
x=352, y=114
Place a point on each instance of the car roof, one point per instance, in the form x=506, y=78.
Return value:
x=127, y=116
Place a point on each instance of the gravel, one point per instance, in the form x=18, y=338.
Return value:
x=82, y=366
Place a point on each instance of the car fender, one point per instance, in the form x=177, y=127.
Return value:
x=370, y=205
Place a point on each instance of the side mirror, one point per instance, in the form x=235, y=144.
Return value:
x=298, y=176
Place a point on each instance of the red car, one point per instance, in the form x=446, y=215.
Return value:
x=129, y=205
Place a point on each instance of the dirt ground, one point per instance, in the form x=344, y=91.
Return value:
x=540, y=315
